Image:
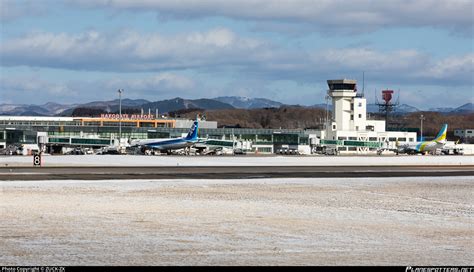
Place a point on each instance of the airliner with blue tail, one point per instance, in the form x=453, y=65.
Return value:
x=425, y=146
x=171, y=143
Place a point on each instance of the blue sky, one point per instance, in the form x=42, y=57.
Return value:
x=75, y=51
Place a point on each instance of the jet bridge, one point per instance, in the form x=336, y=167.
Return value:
x=78, y=141
x=352, y=143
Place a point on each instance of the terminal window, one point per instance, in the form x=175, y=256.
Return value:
x=264, y=149
x=264, y=138
x=215, y=137
x=285, y=138
x=304, y=140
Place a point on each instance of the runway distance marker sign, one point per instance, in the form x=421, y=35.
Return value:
x=37, y=160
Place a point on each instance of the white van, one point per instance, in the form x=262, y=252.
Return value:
x=29, y=149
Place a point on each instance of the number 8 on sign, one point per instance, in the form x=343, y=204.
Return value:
x=37, y=160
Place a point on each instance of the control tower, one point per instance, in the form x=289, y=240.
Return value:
x=348, y=108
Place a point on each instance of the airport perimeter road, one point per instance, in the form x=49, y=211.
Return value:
x=227, y=172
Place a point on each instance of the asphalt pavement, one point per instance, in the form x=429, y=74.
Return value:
x=228, y=172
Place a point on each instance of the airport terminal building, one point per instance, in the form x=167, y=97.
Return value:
x=348, y=130
x=104, y=131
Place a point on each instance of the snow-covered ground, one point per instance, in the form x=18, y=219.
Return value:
x=116, y=160
x=314, y=221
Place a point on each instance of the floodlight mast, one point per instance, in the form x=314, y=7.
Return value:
x=421, y=127
x=120, y=91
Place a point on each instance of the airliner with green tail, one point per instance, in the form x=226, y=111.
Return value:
x=425, y=146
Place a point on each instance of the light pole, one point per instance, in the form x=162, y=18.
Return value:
x=120, y=114
x=327, y=112
x=421, y=127
x=233, y=140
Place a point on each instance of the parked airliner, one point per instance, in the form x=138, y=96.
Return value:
x=170, y=143
x=425, y=146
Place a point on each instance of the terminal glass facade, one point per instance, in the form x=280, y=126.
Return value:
x=93, y=133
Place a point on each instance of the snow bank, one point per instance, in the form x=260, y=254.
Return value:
x=129, y=160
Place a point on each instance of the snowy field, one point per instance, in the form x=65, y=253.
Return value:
x=115, y=160
x=339, y=221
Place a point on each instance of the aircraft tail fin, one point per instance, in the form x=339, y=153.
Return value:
x=193, y=132
x=441, y=137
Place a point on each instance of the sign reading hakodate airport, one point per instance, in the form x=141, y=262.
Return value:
x=128, y=116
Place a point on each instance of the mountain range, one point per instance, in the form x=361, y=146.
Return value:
x=165, y=106
x=240, y=102
x=405, y=108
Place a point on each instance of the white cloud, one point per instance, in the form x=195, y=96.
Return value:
x=217, y=37
x=222, y=52
x=402, y=66
x=356, y=16
x=367, y=59
x=126, y=50
x=31, y=86
x=454, y=68
x=35, y=89
x=159, y=85
x=11, y=10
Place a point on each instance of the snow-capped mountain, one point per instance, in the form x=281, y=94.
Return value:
x=442, y=109
x=404, y=108
x=468, y=107
x=248, y=103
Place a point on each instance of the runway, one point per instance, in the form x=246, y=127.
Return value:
x=228, y=172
